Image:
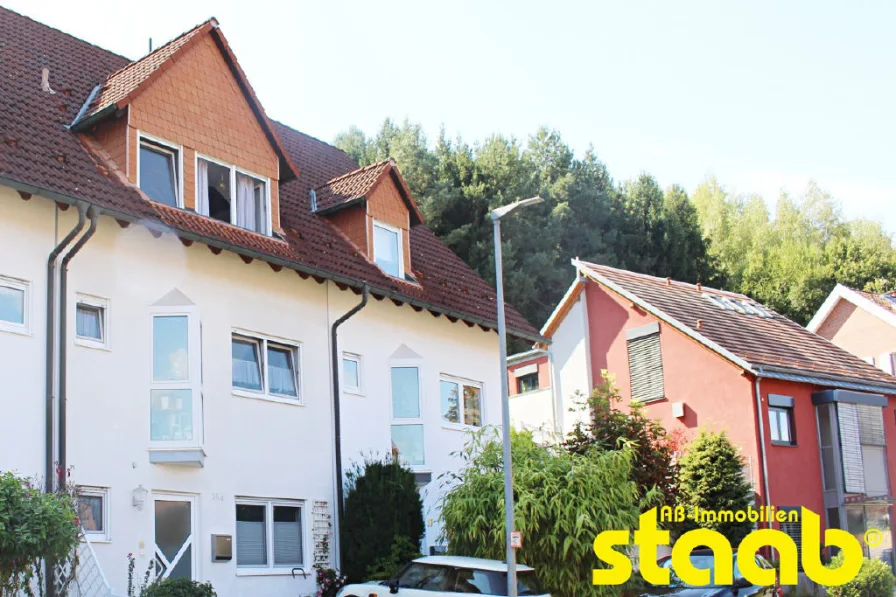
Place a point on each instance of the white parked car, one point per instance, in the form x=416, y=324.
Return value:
x=432, y=576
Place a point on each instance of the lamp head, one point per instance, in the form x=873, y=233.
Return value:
x=504, y=210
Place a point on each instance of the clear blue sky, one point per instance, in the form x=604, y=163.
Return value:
x=765, y=95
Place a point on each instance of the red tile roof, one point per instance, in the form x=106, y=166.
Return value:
x=357, y=184
x=38, y=154
x=124, y=82
x=886, y=300
x=349, y=187
x=773, y=341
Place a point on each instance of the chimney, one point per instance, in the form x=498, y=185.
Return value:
x=699, y=324
x=699, y=287
x=668, y=281
x=45, y=81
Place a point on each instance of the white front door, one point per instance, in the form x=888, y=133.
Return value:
x=174, y=550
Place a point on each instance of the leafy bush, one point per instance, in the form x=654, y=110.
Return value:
x=178, y=587
x=33, y=525
x=382, y=504
x=711, y=478
x=403, y=551
x=874, y=580
x=606, y=426
x=562, y=501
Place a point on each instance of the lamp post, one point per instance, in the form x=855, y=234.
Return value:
x=497, y=214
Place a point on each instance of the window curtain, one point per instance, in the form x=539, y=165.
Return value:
x=202, y=187
x=282, y=378
x=246, y=373
x=246, y=209
x=87, y=323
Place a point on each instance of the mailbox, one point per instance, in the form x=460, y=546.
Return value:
x=222, y=548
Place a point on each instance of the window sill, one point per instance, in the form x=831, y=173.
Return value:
x=190, y=456
x=268, y=572
x=529, y=392
x=459, y=427
x=267, y=397
x=98, y=539
x=15, y=329
x=353, y=392
x=91, y=344
x=784, y=444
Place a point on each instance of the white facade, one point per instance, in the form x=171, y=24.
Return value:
x=255, y=448
x=572, y=361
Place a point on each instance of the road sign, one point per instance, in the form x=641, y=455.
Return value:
x=516, y=539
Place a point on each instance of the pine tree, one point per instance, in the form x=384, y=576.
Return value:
x=711, y=479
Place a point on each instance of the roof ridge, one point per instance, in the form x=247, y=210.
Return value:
x=60, y=31
x=355, y=172
x=663, y=280
x=160, y=48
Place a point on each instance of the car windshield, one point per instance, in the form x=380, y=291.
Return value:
x=701, y=561
x=490, y=582
x=426, y=577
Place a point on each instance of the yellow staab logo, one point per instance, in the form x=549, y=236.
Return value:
x=648, y=538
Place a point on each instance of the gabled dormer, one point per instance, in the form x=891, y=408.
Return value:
x=184, y=126
x=374, y=208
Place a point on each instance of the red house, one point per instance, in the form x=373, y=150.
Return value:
x=815, y=423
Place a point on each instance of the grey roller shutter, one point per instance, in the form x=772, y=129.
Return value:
x=645, y=365
x=871, y=424
x=851, y=448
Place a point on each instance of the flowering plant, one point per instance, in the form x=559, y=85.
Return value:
x=329, y=581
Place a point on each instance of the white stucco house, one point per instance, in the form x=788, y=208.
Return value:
x=173, y=267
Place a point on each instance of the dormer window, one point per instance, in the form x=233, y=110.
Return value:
x=387, y=249
x=158, y=172
x=230, y=195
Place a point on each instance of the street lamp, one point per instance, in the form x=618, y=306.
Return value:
x=497, y=214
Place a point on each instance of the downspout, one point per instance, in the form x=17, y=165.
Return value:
x=762, y=457
x=556, y=393
x=337, y=422
x=93, y=214
x=49, y=475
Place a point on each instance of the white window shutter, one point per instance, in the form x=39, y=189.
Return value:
x=851, y=448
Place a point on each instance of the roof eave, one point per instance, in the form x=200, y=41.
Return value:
x=826, y=380
x=86, y=122
x=341, y=205
x=311, y=271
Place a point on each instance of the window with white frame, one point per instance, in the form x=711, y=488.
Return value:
x=176, y=401
x=93, y=511
x=158, y=175
x=407, y=425
x=269, y=533
x=14, y=304
x=351, y=373
x=91, y=321
x=387, y=251
x=230, y=195
x=265, y=367
x=461, y=401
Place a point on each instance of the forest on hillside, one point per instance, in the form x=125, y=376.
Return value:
x=788, y=258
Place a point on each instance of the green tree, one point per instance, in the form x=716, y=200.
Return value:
x=562, y=501
x=382, y=508
x=33, y=526
x=711, y=478
x=654, y=470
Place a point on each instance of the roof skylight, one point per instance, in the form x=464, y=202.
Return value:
x=737, y=305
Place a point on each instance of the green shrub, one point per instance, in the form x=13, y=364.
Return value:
x=382, y=504
x=33, y=525
x=562, y=502
x=874, y=580
x=178, y=587
x=711, y=478
x=403, y=551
